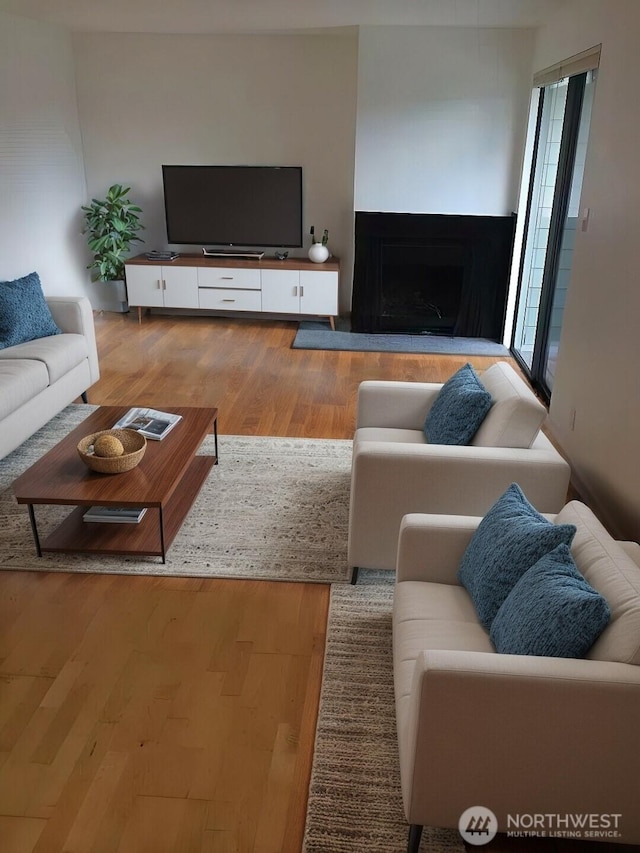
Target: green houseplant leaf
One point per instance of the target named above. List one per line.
(111, 224)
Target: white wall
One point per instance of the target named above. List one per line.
(41, 170)
(441, 119)
(597, 371)
(145, 100)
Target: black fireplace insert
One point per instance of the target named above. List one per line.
(421, 273)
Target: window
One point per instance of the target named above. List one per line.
(561, 110)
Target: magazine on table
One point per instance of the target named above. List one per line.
(114, 514)
(150, 422)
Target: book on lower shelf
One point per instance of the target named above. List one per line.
(115, 514)
(150, 422)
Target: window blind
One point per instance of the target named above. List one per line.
(588, 60)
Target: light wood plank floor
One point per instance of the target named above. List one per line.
(156, 714)
(146, 714)
(248, 370)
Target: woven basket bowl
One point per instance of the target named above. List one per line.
(134, 445)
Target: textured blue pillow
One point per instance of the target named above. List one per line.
(458, 410)
(509, 540)
(551, 611)
(24, 313)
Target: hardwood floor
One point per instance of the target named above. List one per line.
(247, 369)
(148, 714)
(156, 714)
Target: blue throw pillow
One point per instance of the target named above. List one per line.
(458, 410)
(509, 540)
(24, 313)
(551, 611)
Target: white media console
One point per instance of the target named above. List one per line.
(294, 286)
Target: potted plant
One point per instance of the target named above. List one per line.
(112, 224)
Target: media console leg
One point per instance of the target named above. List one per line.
(332, 323)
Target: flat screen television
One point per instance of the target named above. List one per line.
(248, 206)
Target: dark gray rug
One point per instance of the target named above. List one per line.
(318, 335)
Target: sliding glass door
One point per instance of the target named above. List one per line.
(562, 112)
(567, 227)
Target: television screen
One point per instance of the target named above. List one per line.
(249, 206)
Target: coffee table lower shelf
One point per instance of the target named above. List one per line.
(151, 537)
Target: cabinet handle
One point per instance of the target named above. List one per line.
(164, 284)
(226, 277)
(228, 300)
(302, 290)
(295, 290)
(159, 284)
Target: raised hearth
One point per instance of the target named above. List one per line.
(431, 273)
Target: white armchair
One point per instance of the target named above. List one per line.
(517, 734)
(395, 471)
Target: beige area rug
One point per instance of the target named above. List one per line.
(355, 803)
(272, 509)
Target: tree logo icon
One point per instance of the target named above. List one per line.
(478, 825)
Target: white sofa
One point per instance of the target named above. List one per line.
(516, 734)
(395, 471)
(39, 378)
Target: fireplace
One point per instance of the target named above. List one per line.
(421, 273)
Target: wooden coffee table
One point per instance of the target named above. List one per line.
(166, 481)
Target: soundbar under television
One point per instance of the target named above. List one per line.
(251, 206)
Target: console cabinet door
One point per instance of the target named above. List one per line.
(180, 287)
(281, 291)
(319, 292)
(158, 287)
(144, 285)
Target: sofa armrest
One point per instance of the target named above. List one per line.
(395, 405)
(632, 549)
(519, 733)
(74, 314)
(430, 547)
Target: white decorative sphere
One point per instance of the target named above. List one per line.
(318, 253)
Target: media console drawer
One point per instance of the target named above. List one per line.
(225, 299)
(225, 277)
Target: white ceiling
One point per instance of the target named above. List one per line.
(251, 16)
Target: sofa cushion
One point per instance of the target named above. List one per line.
(431, 616)
(24, 313)
(610, 569)
(516, 416)
(395, 436)
(511, 537)
(458, 410)
(59, 353)
(20, 381)
(551, 611)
